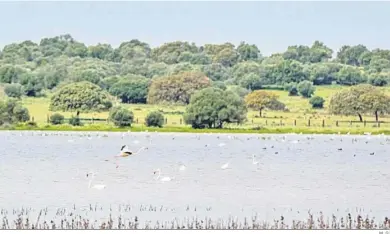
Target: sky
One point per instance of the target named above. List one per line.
(272, 26)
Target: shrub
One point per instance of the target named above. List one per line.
(306, 88)
(75, 121)
(11, 111)
(317, 102)
(56, 119)
(31, 124)
(379, 79)
(154, 119)
(13, 90)
(121, 116)
(291, 88)
(21, 114)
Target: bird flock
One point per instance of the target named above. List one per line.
(268, 150)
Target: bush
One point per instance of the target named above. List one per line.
(12, 112)
(21, 113)
(121, 116)
(317, 102)
(378, 80)
(291, 88)
(154, 119)
(31, 124)
(56, 119)
(306, 88)
(75, 121)
(13, 90)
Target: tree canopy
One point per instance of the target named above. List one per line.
(261, 100)
(177, 88)
(212, 107)
(81, 77)
(359, 100)
(83, 96)
(11, 111)
(44, 65)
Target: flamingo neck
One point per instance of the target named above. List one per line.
(90, 182)
(159, 174)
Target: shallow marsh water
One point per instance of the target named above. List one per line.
(328, 173)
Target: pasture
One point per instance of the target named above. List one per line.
(300, 112)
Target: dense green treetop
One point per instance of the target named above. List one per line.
(128, 71)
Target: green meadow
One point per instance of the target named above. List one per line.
(295, 120)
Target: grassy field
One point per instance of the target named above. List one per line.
(297, 119)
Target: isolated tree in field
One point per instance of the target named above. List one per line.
(83, 96)
(13, 90)
(260, 100)
(121, 116)
(176, 88)
(359, 100)
(306, 88)
(131, 90)
(317, 102)
(154, 119)
(57, 119)
(212, 107)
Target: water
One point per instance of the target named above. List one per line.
(296, 173)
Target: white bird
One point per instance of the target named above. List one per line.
(182, 167)
(125, 152)
(96, 186)
(164, 179)
(253, 160)
(226, 165)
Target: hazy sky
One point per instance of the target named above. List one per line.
(272, 26)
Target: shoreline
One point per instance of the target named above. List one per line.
(140, 129)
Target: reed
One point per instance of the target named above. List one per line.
(69, 219)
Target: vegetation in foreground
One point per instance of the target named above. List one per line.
(65, 220)
(209, 86)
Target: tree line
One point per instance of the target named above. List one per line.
(86, 78)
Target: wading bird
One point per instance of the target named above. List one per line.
(254, 162)
(165, 178)
(96, 186)
(125, 152)
(225, 166)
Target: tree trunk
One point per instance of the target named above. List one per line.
(376, 116)
(360, 117)
(260, 110)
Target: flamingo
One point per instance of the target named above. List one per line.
(182, 167)
(253, 160)
(96, 186)
(164, 179)
(225, 166)
(125, 152)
